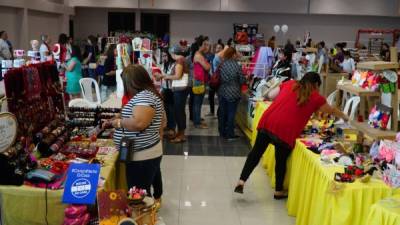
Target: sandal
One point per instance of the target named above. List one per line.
(201, 126)
(177, 140)
(171, 134)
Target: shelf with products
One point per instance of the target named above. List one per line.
(376, 84)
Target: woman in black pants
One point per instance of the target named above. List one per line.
(283, 122)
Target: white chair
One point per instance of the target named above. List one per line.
(331, 99)
(80, 102)
(353, 102)
(87, 91)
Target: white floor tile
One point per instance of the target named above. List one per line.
(198, 190)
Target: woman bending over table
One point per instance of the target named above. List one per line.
(283, 122)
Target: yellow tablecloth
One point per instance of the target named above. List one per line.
(26, 205)
(310, 185)
(311, 201)
(386, 212)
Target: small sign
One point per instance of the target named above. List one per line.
(81, 185)
(8, 131)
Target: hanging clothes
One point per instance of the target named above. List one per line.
(265, 56)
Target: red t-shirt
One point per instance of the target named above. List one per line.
(285, 118)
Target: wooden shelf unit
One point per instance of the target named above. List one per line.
(364, 94)
(377, 65)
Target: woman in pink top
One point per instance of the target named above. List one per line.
(201, 69)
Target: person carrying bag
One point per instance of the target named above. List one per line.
(139, 131)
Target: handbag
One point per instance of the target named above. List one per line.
(199, 87)
(181, 83)
(215, 80)
(125, 148)
(272, 88)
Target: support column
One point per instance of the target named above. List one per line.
(64, 23)
(138, 20)
(23, 40)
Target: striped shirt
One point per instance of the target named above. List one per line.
(151, 135)
(231, 80)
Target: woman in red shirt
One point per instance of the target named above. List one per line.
(283, 122)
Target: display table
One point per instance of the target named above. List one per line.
(313, 201)
(245, 115)
(385, 212)
(312, 198)
(27, 205)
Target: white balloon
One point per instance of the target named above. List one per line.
(285, 28)
(276, 28)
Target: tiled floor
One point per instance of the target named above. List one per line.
(199, 177)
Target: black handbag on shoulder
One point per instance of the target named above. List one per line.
(126, 148)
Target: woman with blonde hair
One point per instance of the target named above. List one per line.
(282, 123)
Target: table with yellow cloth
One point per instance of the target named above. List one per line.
(315, 199)
(27, 205)
(385, 212)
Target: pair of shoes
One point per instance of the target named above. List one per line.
(239, 189)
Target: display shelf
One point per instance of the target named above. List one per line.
(310, 50)
(374, 133)
(377, 65)
(348, 87)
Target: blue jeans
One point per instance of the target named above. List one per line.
(168, 96)
(92, 73)
(226, 117)
(180, 98)
(197, 103)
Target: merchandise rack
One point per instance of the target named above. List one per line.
(364, 127)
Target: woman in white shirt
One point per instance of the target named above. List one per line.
(348, 65)
(44, 48)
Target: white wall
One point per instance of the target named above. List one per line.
(322, 27)
(43, 23)
(13, 23)
(187, 25)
